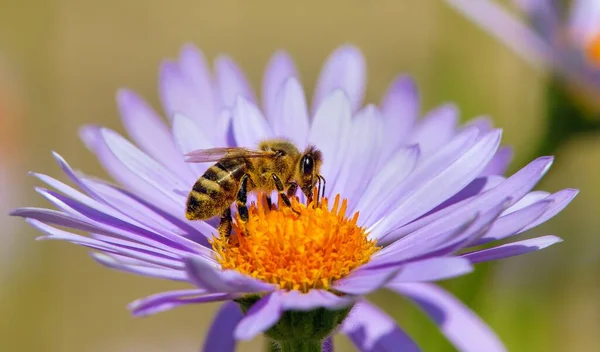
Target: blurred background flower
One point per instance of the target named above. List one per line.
(74, 56)
(561, 38)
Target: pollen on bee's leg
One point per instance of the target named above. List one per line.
(303, 252)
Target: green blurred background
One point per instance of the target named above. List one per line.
(61, 62)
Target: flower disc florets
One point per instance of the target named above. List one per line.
(305, 248)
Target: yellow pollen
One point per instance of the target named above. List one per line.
(593, 50)
(301, 251)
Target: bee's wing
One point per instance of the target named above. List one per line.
(216, 154)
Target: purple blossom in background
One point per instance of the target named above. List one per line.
(426, 187)
(568, 45)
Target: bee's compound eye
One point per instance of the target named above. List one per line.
(307, 165)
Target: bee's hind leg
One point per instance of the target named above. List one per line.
(282, 193)
(242, 199)
(291, 191)
(226, 223)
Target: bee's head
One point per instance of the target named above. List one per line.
(309, 175)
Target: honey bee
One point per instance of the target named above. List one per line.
(277, 165)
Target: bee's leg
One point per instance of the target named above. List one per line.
(241, 198)
(293, 187)
(226, 223)
(282, 194)
(321, 189)
(269, 201)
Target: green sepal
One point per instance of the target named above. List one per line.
(300, 330)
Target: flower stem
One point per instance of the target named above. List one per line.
(300, 346)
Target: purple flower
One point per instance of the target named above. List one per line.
(568, 45)
(427, 190)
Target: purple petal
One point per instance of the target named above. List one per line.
(225, 128)
(48, 216)
(399, 166)
(80, 197)
(514, 222)
(584, 19)
(148, 130)
(145, 168)
(436, 129)
(344, 69)
(366, 127)
(189, 137)
(192, 235)
(433, 269)
(136, 210)
(117, 258)
(544, 17)
(372, 330)
(291, 113)
(458, 323)
(280, 68)
(559, 200)
(512, 249)
(328, 128)
(483, 123)
(527, 200)
(425, 170)
(440, 238)
(172, 89)
(93, 140)
(74, 177)
(155, 272)
(205, 275)
(129, 249)
(179, 96)
(507, 28)
(435, 235)
(362, 282)
(220, 336)
(128, 246)
(164, 297)
(400, 108)
(476, 187)
(260, 317)
(516, 186)
(438, 187)
(327, 345)
(298, 301)
(499, 162)
(194, 68)
(168, 300)
(231, 82)
(249, 126)
(124, 228)
(80, 217)
(138, 161)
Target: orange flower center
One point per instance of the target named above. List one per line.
(301, 251)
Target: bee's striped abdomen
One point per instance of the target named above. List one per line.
(216, 189)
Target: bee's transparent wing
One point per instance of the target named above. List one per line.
(216, 154)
